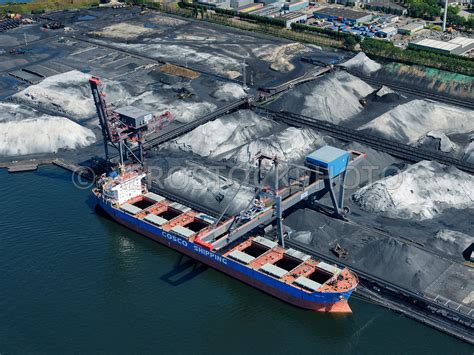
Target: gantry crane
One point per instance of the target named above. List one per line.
(125, 127)
(311, 182)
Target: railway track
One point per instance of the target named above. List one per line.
(396, 149)
(312, 75)
(415, 92)
(415, 305)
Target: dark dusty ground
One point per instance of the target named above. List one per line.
(389, 258)
(208, 41)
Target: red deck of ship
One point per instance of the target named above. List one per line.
(343, 281)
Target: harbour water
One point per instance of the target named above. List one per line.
(2, 2)
(73, 281)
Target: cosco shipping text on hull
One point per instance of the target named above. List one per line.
(300, 296)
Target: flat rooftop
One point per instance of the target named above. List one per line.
(458, 45)
(344, 13)
(131, 111)
(463, 41)
(250, 6)
(268, 9)
(387, 4)
(291, 15)
(413, 26)
(435, 44)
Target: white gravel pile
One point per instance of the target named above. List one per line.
(122, 30)
(287, 145)
(239, 137)
(26, 131)
(130, 31)
(408, 122)
(189, 111)
(182, 111)
(68, 93)
(420, 192)
(183, 54)
(336, 97)
(220, 136)
(362, 63)
(229, 92)
(279, 57)
(215, 191)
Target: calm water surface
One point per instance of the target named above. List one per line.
(73, 281)
(14, 1)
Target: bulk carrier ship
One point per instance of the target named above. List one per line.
(236, 245)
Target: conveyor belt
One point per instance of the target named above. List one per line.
(416, 92)
(396, 149)
(187, 127)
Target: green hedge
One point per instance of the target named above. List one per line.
(349, 39)
(226, 12)
(185, 5)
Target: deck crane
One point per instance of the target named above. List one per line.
(125, 127)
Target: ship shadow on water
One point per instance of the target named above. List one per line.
(184, 269)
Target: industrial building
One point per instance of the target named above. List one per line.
(411, 28)
(250, 7)
(332, 14)
(387, 32)
(385, 6)
(293, 17)
(236, 4)
(214, 4)
(295, 5)
(268, 2)
(388, 19)
(271, 10)
(458, 45)
(134, 116)
(465, 44)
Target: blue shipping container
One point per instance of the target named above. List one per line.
(333, 159)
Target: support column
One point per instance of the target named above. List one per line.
(342, 179)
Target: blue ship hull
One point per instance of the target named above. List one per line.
(318, 301)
